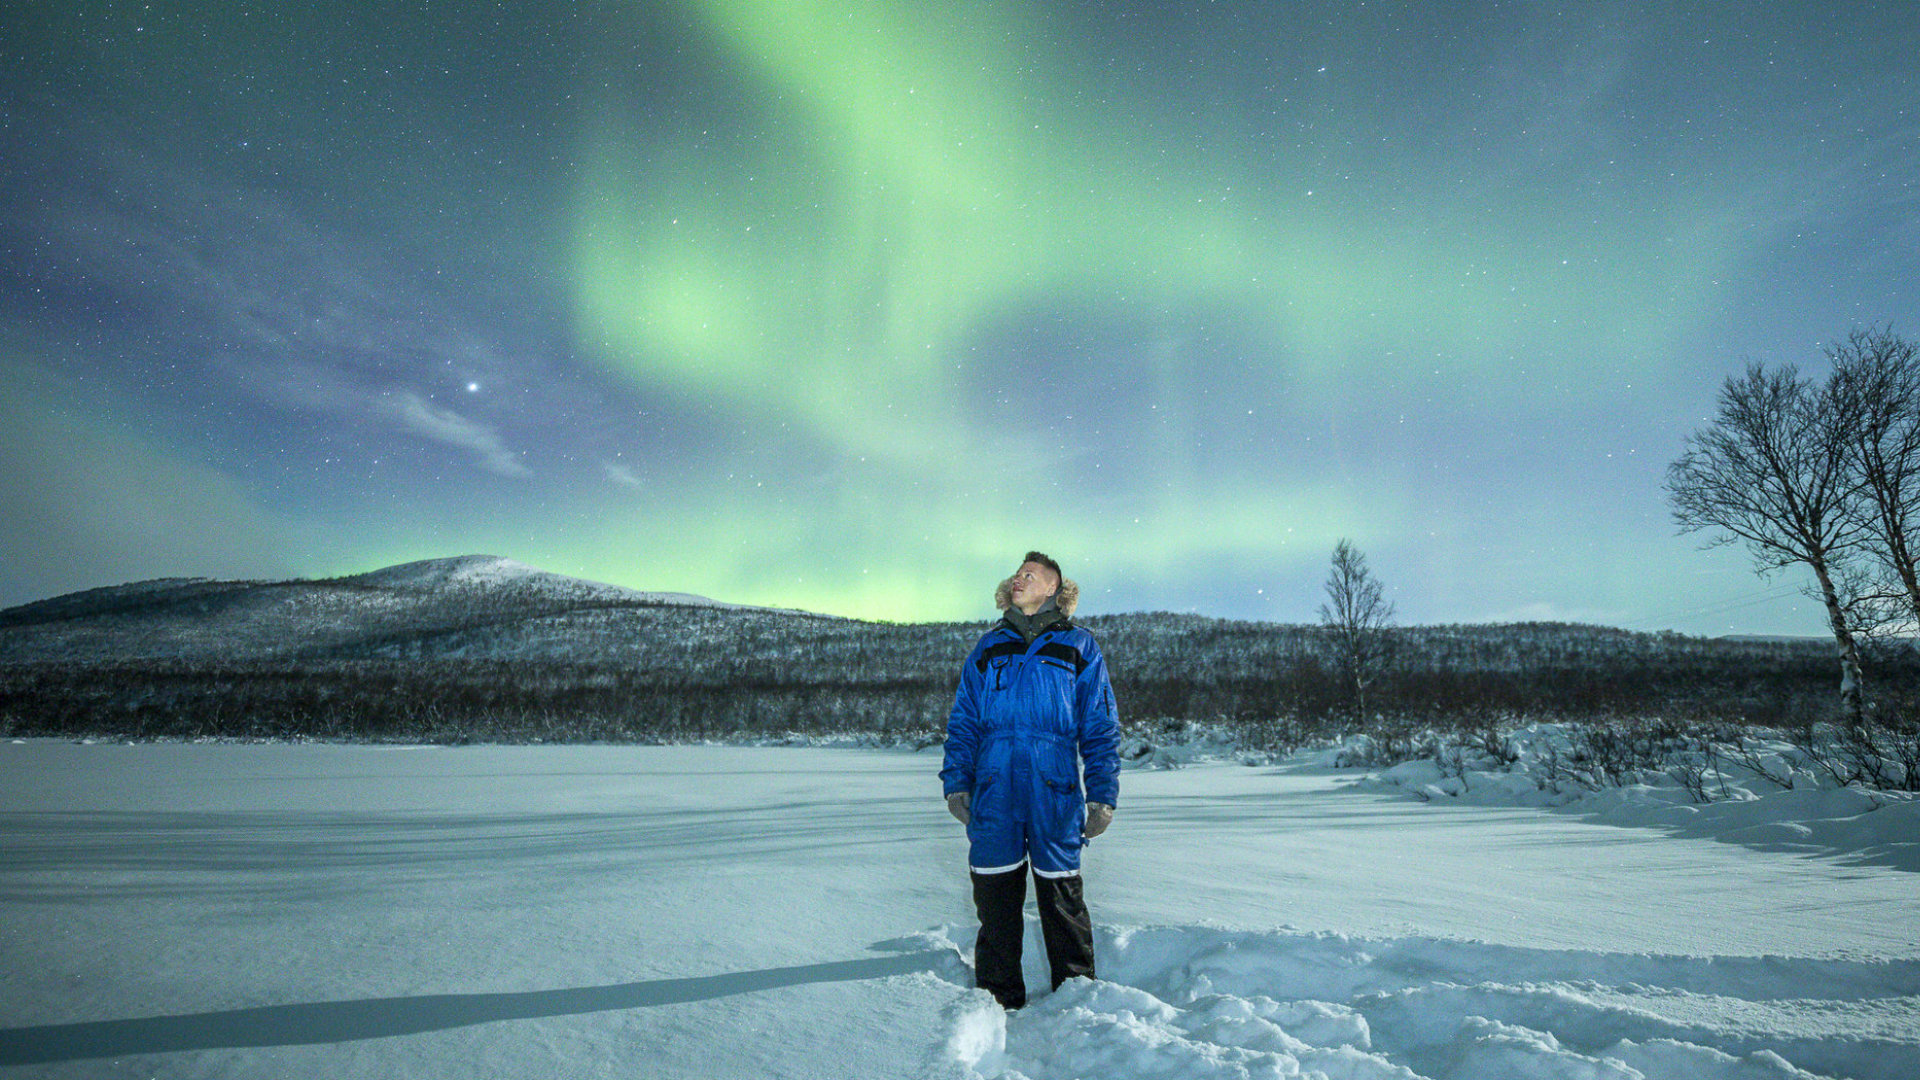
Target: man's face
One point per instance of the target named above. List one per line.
(1032, 584)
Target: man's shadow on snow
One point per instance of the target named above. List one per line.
(379, 1018)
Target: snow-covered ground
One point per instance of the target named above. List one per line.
(312, 910)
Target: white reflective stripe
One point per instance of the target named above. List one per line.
(997, 869)
(1037, 872)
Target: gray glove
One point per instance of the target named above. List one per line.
(957, 804)
(1099, 816)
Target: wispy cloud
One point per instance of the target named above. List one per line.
(621, 475)
(283, 293)
(421, 417)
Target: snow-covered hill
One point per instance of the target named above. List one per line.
(491, 572)
(456, 606)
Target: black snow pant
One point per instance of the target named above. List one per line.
(999, 898)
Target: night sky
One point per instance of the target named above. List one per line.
(844, 306)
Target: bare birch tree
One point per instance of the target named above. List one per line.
(1355, 617)
(1771, 471)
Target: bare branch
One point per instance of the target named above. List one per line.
(1877, 375)
(1772, 470)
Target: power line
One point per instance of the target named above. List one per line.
(1768, 595)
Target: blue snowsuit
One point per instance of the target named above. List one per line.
(1028, 721)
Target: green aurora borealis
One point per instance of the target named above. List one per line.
(843, 306)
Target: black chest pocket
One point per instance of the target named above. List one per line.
(997, 670)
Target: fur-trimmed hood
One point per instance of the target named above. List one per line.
(1067, 599)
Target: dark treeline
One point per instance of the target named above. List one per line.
(293, 665)
(1469, 676)
(440, 701)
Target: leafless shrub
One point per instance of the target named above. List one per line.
(1750, 756)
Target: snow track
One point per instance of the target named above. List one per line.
(1195, 1002)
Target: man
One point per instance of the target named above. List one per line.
(1034, 711)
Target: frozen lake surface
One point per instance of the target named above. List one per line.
(177, 910)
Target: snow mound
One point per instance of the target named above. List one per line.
(1815, 817)
(1184, 1002)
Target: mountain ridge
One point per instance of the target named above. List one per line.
(378, 612)
(476, 646)
(482, 571)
